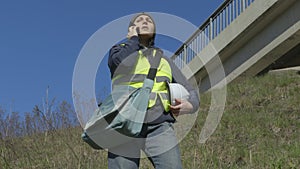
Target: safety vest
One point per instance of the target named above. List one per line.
(136, 77)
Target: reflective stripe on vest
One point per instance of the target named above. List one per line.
(136, 77)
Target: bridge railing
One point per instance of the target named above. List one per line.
(211, 28)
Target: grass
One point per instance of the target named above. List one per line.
(260, 128)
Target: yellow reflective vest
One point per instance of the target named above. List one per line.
(136, 77)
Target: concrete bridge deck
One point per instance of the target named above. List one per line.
(242, 38)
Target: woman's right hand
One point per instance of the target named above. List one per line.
(132, 32)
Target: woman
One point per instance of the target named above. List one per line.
(129, 64)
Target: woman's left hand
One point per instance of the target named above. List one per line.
(181, 107)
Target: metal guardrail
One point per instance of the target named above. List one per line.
(211, 28)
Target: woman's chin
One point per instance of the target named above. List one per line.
(146, 34)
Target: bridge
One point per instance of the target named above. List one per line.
(242, 38)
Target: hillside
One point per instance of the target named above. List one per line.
(260, 128)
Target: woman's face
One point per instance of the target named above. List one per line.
(145, 24)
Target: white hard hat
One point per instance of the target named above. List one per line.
(177, 91)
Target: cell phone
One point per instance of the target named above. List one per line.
(137, 29)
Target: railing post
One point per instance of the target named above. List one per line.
(221, 21)
(243, 5)
(202, 39)
(215, 26)
(184, 54)
(211, 29)
(197, 43)
(226, 16)
(236, 9)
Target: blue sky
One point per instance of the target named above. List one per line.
(41, 40)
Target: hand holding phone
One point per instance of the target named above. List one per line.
(133, 31)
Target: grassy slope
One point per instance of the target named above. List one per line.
(260, 128)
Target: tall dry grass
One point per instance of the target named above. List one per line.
(260, 128)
